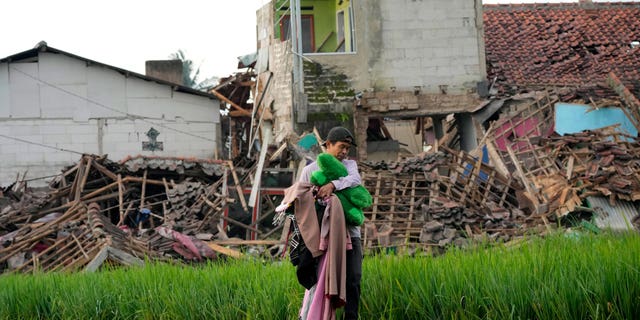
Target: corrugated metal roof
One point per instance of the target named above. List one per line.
(616, 217)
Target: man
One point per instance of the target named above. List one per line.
(338, 142)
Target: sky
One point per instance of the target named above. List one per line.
(126, 33)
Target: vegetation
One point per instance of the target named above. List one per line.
(191, 73)
(565, 276)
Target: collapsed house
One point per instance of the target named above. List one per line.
(519, 130)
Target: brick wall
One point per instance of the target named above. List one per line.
(427, 44)
(280, 92)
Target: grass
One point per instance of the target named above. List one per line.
(578, 276)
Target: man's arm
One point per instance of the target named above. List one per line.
(352, 179)
(305, 175)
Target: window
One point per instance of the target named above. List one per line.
(327, 26)
(308, 42)
(340, 27)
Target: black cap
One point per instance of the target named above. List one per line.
(341, 134)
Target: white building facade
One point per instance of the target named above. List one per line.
(55, 106)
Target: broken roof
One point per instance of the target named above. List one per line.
(563, 43)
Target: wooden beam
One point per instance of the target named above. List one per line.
(525, 181)
(236, 181)
(496, 160)
(233, 104)
(226, 251)
(239, 242)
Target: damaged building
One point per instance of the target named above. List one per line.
(393, 60)
(472, 122)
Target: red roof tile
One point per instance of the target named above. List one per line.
(562, 43)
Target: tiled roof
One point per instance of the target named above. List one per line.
(563, 43)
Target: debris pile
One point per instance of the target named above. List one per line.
(98, 210)
(448, 222)
(533, 178)
(439, 199)
(167, 207)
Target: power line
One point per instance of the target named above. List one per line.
(40, 144)
(129, 115)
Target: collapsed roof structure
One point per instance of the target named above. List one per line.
(549, 66)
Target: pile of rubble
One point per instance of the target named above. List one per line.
(99, 211)
(532, 180)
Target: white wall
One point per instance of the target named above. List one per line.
(61, 103)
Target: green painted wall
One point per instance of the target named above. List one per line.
(324, 14)
(324, 22)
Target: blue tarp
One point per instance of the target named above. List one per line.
(308, 141)
(485, 160)
(573, 118)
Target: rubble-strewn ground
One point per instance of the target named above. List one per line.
(190, 210)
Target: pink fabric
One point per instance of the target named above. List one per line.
(318, 304)
(301, 194)
(329, 293)
(335, 241)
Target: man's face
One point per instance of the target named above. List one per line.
(338, 149)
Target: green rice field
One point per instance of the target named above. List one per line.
(563, 276)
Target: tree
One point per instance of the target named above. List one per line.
(189, 72)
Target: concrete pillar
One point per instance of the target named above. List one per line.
(467, 131)
(101, 124)
(360, 124)
(438, 130)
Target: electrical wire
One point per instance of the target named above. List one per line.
(128, 115)
(40, 144)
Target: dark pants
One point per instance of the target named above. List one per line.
(354, 274)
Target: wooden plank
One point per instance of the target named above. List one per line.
(527, 185)
(570, 167)
(79, 246)
(76, 180)
(80, 187)
(226, 251)
(240, 224)
(105, 171)
(411, 207)
(374, 207)
(277, 153)
(124, 257)
(392, 207)
(244, 112)
(125, 214)
(236, 181)
(97, 260)
(239, 242)
(144, 188)
(266, 140)
(99, 191)
(120, 197)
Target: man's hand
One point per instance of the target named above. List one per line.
(326, 190)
